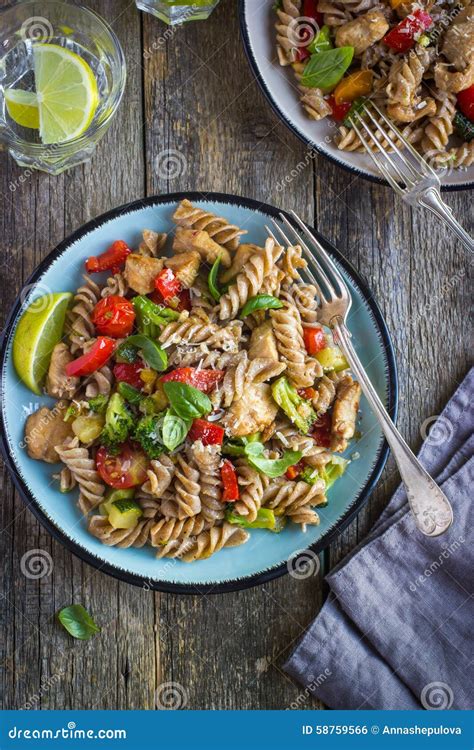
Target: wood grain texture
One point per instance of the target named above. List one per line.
(193, 118)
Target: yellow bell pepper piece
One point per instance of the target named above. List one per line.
(354, 85)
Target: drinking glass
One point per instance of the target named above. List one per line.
(81, 31)
(175, 12)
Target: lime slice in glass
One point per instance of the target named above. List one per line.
(39, 329)
(22, 106)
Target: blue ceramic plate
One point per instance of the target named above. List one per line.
(265, 555)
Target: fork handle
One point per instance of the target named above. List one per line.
(430, 506)
(431, 199)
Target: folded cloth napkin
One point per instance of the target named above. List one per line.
(396, 629)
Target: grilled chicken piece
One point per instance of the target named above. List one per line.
(141, 271)
(458, 46)
(44, 429)
(362, 32)
(344, 414)
(251, 413)
(185, 266)
(58, 384)
(194, 239)
(239, 259)
(263, 342)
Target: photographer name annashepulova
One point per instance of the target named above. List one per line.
(379, 729)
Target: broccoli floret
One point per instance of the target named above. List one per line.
(118, 423)
(98, 404)
(297, 409)
(148, 434)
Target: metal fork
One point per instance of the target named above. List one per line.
(431, 508)
(409, 175)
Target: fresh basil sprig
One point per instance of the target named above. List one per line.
(321, 42)
(187, 402)
(212, 279)
(78, 622)
(325, 69)
(260, 302)
(272, 467)
(152, 352)
(174, 430)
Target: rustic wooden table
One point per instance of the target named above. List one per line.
(192, 91)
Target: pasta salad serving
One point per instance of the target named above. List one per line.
(197, 396)
(413, 58)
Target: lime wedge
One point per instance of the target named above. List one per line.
(67, 93)
(22, 106)
(38, 331)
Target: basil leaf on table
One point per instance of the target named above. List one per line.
(272, 467)
(260, 302)
(321, 42)
(187, 402)
(325, 69)
(212, 279)
(78, 622)
(174, 430)
(152, 352)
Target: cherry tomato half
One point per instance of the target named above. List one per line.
(123, 470)
(114, 316)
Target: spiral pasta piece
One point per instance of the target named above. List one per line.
(207, 459)
(198, 329)
(100, 382)
(245, 372)
(150, 505)
(288, 331)
(312, 99)
(404, 79)
(285, 497)
(218, 228)
(252, 485)
(213, 540)
(305, 298)
(249, 281)
(66, 480)
(82, 467)
(79, 326)
(288, 436)
(288, 13)
(115, 285)
(160, 475)
(152, 243)
(174, 536)
(187, 488)
(137, 536)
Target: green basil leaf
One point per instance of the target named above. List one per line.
(78, 622)
(260, 302)
(325, 69)
(152, 352)
(272, 467)
(174, 430)
(321, 42)
(212, 279)
(187, 402)
(129, 393)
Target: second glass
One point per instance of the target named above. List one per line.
(175, 12)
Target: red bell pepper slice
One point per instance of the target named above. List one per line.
(310, 10)
(129, 373)
(302, 53)
(339, 111)
(110, 260)
(314, 340)
(167, 284)
(203, 380)
(99, 353)
(208, 432)
(466, 102)
(230, 485)
(402, 37)
(321, 431)
(294, 471)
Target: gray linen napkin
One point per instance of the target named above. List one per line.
(394, 632)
